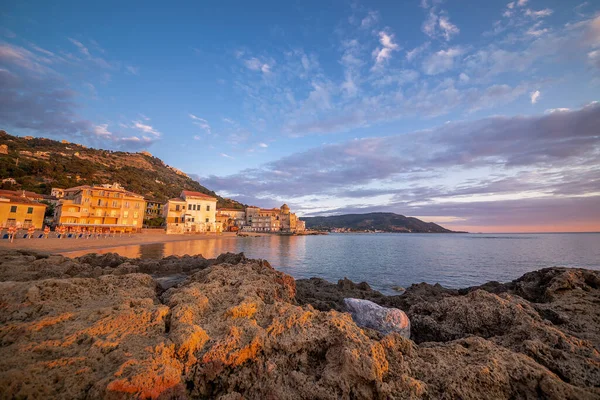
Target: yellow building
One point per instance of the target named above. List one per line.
(21, 212)
(105, 207)
(192, 212)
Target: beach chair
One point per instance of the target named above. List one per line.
(5, 236)
(70, 235)
(41, 235)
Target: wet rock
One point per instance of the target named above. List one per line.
(385, 320)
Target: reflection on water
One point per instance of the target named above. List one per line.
(387, 260)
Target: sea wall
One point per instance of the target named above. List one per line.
(232, 328)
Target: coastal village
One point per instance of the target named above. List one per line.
(110, 208)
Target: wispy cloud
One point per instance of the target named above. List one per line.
(535, 96)
(442, 60)
(226, 156)
(202, 123)
(146, 128)
(132, 70)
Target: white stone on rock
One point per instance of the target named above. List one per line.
(385, 320)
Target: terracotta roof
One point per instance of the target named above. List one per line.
(188, 193)
(179, 199)
(231, 209)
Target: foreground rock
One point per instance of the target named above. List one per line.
(101, 327)
(385, 320)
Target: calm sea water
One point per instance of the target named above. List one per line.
(388, 260)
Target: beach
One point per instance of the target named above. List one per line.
(55, 245)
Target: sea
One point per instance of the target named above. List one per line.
(388, 260)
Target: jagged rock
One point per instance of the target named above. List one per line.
(235, 330)
(385, 320)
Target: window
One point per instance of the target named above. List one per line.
(126, 204)
(27, 223)
(207, 208)
(116, 195)
(193, 219)
(115, 204)
(190, 207)
(137, 205)
(29, 210)
(206, 219)
(135, 214)
(135, 222)
(86, 200)
(99, 202)
(11, 222)
(176, 207)
(13, 209)
(125, 214)
(177, 219)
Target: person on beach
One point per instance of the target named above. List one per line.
(30, 232)
(46, 231)
(12, 231)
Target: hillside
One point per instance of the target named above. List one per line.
(39, 164)
(388, 222)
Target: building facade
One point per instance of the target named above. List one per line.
(271, 220)
(21, 212)
(191, 212)
(154, 209)
(231, 218)
(104, 207)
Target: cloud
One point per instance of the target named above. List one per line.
(255, 64)
(535, 96)
(263, 145)
(132, 70)
(522, 3)
(384, 52)
(226, 155)
(438, 25)
(441, 61)
(417, 51)
(84, 50)
(146, 128)
(536, 14)
(487, 161)
(202, 123)
(371, 19)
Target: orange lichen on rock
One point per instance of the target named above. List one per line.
(150, 377)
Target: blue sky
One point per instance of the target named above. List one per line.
(331, 107)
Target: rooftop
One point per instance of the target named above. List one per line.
(188, 193)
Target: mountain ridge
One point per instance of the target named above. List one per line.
(384, 221)
(38, 164)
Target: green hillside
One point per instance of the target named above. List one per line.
(39, 164)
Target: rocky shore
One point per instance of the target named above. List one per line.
(231, 328)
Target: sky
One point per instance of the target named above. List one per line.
(480, 116)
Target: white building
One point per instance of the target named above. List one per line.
(192, 212)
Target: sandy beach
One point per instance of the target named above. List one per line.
(55, 245)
